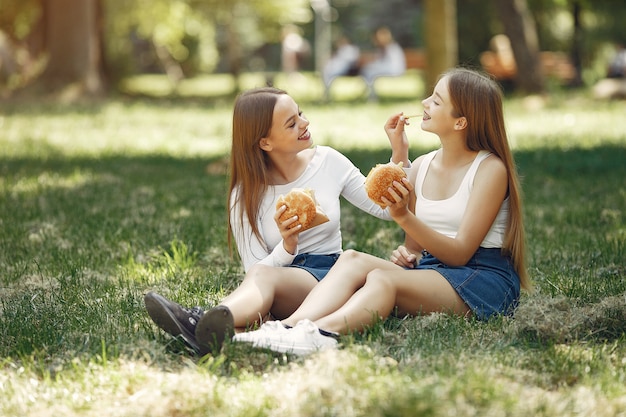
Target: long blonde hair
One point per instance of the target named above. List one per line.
(252, 121)
(478, 98)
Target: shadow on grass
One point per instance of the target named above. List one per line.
(74, 229)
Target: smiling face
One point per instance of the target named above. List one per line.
(289, 131)
(440, 117)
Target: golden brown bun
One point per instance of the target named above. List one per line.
(300, 202)
(380, 178)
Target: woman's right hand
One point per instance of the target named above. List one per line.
(394, 128)
(289, 235)
(403, 257)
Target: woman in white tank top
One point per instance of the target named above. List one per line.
(461, 213)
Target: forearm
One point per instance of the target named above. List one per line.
(449, 250)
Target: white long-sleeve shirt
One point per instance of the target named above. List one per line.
(330, 175)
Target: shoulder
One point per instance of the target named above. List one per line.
(417, 163)
(331, 154)
(492, 163)
(491, 169)
(420, 159)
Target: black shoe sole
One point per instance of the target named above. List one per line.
(215, 326)
(163, 317)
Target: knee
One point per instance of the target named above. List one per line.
(258, 273)
(350, 256)
(380, 280)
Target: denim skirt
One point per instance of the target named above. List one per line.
(488, 283)
(316, 265)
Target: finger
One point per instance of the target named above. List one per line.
(288, 223)
(407, 184)
(403, 252)
(292, 231)
(394, 194)
(400, 188)
(279, 212)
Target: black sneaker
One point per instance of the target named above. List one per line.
(173, 318)
(214, 327)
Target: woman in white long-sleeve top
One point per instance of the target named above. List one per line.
(271, 154)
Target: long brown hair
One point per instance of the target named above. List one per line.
(478, 98)
(252, 121)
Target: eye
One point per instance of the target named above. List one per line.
(300, 113)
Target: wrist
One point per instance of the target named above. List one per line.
(290, 249)
(397, 157)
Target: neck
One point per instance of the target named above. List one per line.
(454, 152)
(285, 168)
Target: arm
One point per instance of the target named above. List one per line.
(394, 128)
(252, 250)
(352, 182)
(409, 254)
(354, 191)
(488, 192)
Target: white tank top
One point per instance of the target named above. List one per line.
(445, 216)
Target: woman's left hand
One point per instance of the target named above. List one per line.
(401, 193)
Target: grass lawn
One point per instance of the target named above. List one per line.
(102, 202)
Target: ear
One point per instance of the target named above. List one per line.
(264, 144)
(461, 123)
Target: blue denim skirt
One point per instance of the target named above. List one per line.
(316, 265)
(488, 283)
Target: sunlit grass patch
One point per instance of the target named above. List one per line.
(102, 202)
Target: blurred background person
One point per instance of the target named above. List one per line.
(295, 50)
(389, 60)
(344, 61)
(617, 66)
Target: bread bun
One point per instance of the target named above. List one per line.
(300, 202)
(380, 178)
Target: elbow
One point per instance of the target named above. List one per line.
(460, 258)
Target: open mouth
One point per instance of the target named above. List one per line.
(426, 116)
(305, 136)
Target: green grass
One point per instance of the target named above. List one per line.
(101, 202)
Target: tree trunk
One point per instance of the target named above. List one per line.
(577, 45)
(519, 26)
(441, 38)
(74, 48)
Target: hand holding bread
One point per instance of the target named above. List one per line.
(301, 202)
(380, 178)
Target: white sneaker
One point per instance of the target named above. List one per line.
(303, 339)
(269, 327)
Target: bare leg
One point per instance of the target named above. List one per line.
(342, 281)
(268, 289)
(413, 292)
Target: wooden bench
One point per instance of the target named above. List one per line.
(415, 61)
(415, 58)
(555, 65)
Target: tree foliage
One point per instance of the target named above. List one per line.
(193, 36)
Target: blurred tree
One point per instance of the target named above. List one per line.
(78, 34)
(195, 36)
(243, 26)
(474, 39)
(441, 38)
(169, 31)
(208, 32)
(519, 26)
(73, 43)
(586, 29)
